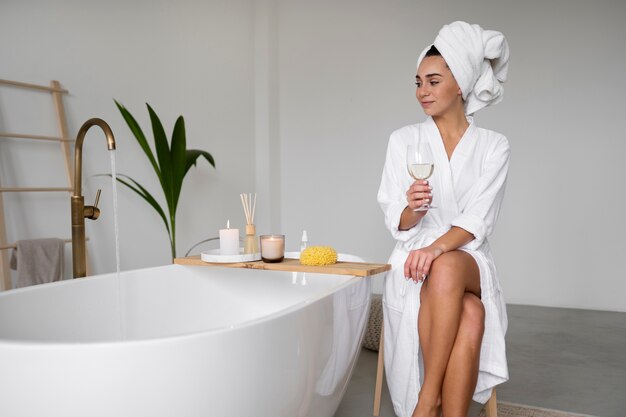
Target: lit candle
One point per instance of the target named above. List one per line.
(229, 240)
(272, 248)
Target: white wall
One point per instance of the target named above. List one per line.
(193, 58)
(315, 88)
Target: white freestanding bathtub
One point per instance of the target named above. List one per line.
(193, 341)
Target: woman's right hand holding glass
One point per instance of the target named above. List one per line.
(418, 197)
(419, 194)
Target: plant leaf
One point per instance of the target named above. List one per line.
(139, 189)
(179, 159)
(164, 158)
(192, 156)
(139, 136)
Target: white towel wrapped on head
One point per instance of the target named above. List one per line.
(477, 58)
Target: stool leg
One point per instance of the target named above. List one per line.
(492, 405)
(379, 373)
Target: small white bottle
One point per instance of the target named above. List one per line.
(305, 240)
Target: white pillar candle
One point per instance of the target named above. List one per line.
(229, 240)
(273, 248)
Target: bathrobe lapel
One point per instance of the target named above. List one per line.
(443, 186)
(445, 196)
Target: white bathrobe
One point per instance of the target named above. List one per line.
(468, 191)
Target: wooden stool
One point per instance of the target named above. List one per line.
(491, 406)
(379, 371)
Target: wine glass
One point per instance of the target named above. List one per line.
(420, 164)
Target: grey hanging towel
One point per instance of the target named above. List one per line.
(38, 261)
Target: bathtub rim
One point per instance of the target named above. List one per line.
(39, 344)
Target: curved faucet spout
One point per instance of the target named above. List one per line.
(78, 149)
(79, 210)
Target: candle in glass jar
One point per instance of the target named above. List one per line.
(229, 240)
(272, 248)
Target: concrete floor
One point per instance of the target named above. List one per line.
(564, 359)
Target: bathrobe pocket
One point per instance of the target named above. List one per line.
(395, 285)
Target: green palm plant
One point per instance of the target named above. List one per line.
(171, 165)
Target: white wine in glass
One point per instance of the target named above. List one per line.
(421, 171)
(420, 164)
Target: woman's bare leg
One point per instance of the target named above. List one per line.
(459, 382)
(451, 276)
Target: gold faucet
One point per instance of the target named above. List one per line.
(79, 210)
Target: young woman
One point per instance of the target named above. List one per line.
(445, 316)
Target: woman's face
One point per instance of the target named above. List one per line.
(437, 90)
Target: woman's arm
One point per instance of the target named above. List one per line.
(453, 239)
(418, 263)
(479, 216)
(410, 218)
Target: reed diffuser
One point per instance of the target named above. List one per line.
(249, 205)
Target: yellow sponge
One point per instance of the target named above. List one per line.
(318, 255)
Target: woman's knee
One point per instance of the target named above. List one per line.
(447, 263)
(445, 274)
(454, 272)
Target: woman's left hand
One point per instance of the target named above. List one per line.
(418, 262)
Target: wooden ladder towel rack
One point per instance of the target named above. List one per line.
(64, 140)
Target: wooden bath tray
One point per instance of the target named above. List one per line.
(359, 269)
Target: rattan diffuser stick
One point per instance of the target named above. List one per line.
(249, 207)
